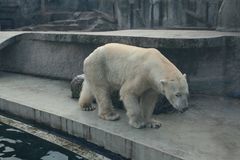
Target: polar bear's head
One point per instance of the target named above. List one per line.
(176, 91)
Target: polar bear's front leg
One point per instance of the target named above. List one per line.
(105, 109)
(131, 104)
(147, 104)
(133, 111)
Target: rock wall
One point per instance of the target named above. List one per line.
(167, 13)
(198, 14)
(229, 16)
(16, 13)
(70, 5)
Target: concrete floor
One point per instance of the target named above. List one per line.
(209, 130)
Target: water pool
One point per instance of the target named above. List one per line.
(16, 144)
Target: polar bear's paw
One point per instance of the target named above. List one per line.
(137, 124)
(111, 116)
(89, 107)
(154, 124)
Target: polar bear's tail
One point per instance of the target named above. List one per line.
(86, 97)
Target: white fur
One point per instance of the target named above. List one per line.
(140, 74)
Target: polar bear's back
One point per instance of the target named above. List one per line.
(144, 59)
(115, 63)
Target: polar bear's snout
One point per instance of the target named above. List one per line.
(183, 106)
(176, 91)
(179, 102)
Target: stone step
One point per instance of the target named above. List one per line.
(208, 130)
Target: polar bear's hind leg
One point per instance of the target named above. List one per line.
(86, 98)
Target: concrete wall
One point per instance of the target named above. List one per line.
(50, 59)
(213, 71)
(210, 70)
(231, 70)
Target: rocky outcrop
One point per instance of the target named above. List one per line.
(58, 14)
(229, 16)
(84, 21)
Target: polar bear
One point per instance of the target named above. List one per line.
(140, 75)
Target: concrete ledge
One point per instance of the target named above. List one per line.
(160, 40)
(144, 38)
(207, 131)
(8, 38)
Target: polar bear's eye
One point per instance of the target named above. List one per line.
(178, 95)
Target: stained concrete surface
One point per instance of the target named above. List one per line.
(209, 130)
